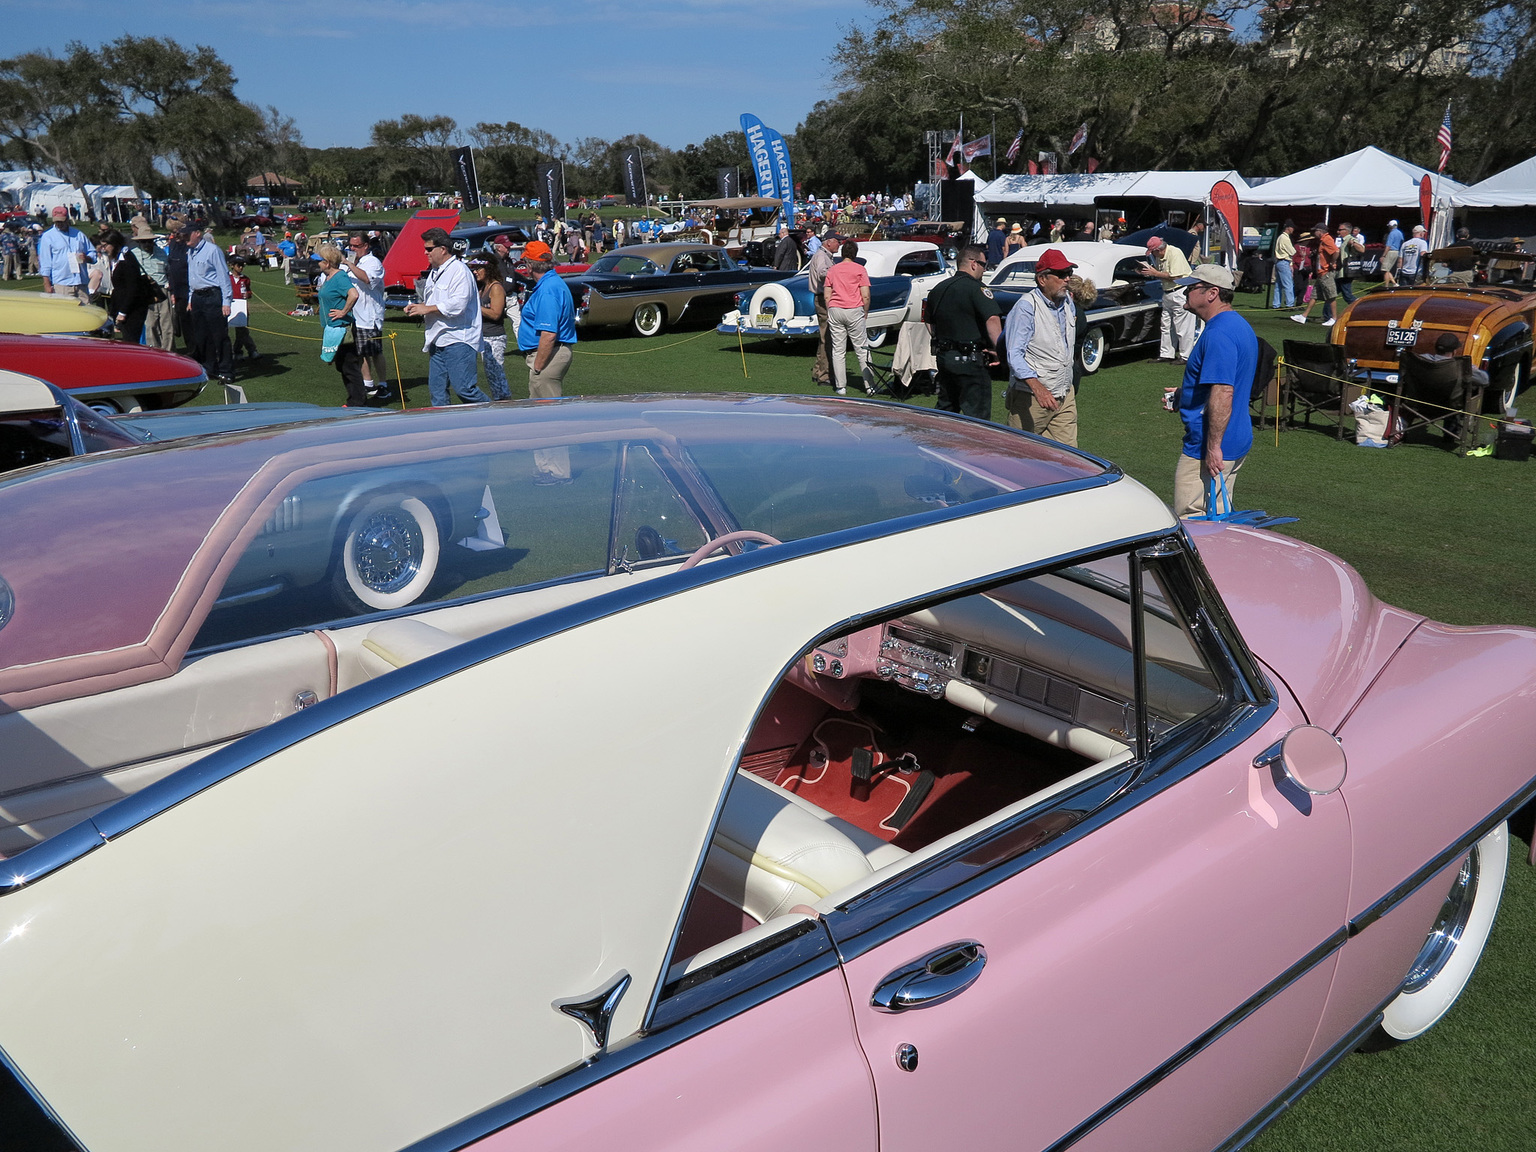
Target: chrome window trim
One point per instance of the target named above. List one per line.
(802, 953)
(185, 783)
(146, 386)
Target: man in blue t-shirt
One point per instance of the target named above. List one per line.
(1213, 401)
(546, 336)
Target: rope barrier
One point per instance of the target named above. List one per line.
(1370, 386)
(642, 351)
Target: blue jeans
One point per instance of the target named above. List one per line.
(1284, 293)
(455, 364)
(1346, 290)
(493, 351)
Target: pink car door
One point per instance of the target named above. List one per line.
(1139, 962)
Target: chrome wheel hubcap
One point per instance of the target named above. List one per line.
(389, 549)
(1446, 933)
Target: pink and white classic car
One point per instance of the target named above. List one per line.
(761, 773)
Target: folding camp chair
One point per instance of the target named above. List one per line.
(1316, 381)
(1437, 391)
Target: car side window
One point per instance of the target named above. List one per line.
(1016, 276)
(360, 543)
(706, 262)
(923, 733)
(32, 439)
(919, 264)
(651, 519)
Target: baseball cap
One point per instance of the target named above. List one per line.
(538, 250)
(1213, 274)
(60, 212)
(1391, 223)
(1053, 260)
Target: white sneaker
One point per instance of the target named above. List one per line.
(1328, 323)
(841, 391)
(1299, 318)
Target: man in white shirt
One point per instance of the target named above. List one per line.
(367, 272)
(450, 315)
(1414, 257)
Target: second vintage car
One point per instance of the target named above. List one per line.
(651, 286)
(813, 773)
(901, 273)
(1127, 311)
(45, 314)
(107, 375)
(1494, 325)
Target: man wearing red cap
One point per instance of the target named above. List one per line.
(1042, 340)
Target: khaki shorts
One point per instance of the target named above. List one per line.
(1327, 286)
(1389, 259)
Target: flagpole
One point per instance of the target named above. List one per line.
(992, 148)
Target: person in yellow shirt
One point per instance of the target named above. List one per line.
(1284, 292)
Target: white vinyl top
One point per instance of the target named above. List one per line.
(1369, 178)
(20, 393)
(1094, 261)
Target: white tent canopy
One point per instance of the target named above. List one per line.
(1369, 178)
(1512, 188)
(1081, 189)
(15, 179)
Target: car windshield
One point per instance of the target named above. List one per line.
(256, 532)
(623, 264)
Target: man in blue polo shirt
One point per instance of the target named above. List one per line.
(546, 336)
(1213, 401)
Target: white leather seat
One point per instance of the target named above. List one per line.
(773, 850)
(396, 643)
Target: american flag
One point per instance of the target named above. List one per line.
(1013, 149)
(1443, 138)
(954, 150)
(1078, 138)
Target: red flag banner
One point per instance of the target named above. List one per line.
(1224, 200)
(1034, 169)
(1426, 200)
(1093, 165)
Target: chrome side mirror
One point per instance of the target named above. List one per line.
(1309, 757)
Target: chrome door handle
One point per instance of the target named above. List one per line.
(933, 979)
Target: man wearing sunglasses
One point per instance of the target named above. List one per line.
(1042, 341)
(450, 314)
(1213, 401)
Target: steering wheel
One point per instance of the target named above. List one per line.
(720, 542)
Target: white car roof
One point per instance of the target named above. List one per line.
(19, 393)
(880, 256)
(1094, 260)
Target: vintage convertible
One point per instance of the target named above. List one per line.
(1494, 323)
(1127, 311)
(651, 286)
(805, 771)
(107, 375)
(901, 274)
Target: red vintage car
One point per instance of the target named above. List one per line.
(104, 374)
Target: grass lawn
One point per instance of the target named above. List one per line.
(1454, 539)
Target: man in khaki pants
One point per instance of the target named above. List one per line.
(1042, 340)
(546, 336)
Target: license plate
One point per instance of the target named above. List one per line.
(763, 320)
(1402, 337)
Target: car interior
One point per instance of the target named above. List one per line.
(882, 747)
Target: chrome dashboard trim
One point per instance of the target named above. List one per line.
(187, 782)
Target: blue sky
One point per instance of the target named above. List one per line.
(676, 70)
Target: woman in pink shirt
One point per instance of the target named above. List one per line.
(847, 289)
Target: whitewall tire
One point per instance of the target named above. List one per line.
(1455, 944)
(783, 303)
(649, 320)
(389, 553)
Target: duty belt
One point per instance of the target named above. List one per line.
(959, 346)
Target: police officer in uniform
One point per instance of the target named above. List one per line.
(965, 324)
